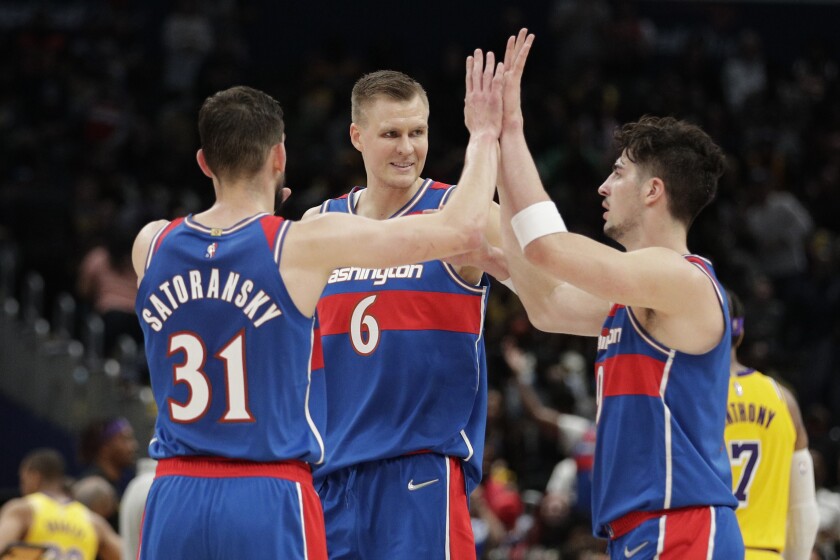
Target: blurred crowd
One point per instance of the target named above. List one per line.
(97, 136)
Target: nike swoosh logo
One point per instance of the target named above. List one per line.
(629, 553)
(412, 486)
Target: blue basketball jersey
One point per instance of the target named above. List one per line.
(228, 351)
(403, 349)
(661, 414)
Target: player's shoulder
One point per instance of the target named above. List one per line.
(18, 507)
(152, 228)
(143, 242)
(148, 232)
(314, 211)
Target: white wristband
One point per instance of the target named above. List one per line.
(537, 220)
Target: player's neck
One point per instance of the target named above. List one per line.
(379, 201)
(55, 492)
(735, 367)
(668, 235)
(233, 206)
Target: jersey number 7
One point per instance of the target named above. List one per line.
(747, 456)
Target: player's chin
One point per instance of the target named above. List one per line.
(403, 180)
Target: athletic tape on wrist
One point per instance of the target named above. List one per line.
(537, 220)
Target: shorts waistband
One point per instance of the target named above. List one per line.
(630, 521)
(418, 452)
(220, 467)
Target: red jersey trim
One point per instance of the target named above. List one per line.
(220, 467)
(271, 225)
(637, 374)
(404, 310)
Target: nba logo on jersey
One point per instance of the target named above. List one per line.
(211, 250)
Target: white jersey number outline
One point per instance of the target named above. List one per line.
(191, 372)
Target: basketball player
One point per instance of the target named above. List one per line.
(226, 301)
(772, 470)
(661, 478)
(404, 357)
(47, 516)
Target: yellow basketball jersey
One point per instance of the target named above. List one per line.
(760, 436)
(63, 526)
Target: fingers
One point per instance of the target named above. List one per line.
(489, 67)
(483, 73)
(470, 64)
(510, 51)
(498, 78)
(522, 53)
(517, 51)
(478, 69)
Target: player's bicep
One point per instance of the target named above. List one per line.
(15, 518)
(796, 416)
(110, 543)
(571, 310)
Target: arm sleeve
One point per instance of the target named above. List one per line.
(802, 518)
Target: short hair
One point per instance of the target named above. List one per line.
(237, 128)
(97, 433)
(681, 154)
(96, 494)
(386, 83)
(47, 462)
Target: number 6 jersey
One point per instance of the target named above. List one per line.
(229, 352)
(404, 357)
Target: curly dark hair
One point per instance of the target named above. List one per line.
(681, 154)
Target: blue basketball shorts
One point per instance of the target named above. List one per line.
(414, 506)
(217, 509)
(695, 533)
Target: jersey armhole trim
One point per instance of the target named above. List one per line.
(158, 239)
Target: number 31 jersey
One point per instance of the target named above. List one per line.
(228, 351)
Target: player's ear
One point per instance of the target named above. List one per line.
(279, 154)
(654, 189)
(202, 163)
(355, 136)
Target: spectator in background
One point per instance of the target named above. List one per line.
(780, 227)
(187, 38)
(566, 504)
(108, 283)
(108, 448)
(744, 73)
(133, 505)
(96, 494)
(46, 515)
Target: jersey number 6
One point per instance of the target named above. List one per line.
(361, 321)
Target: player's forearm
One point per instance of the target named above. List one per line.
(803, 516)
(470, 204)
(520, 177)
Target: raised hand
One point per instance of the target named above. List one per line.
(483, 101)
(516, 54)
